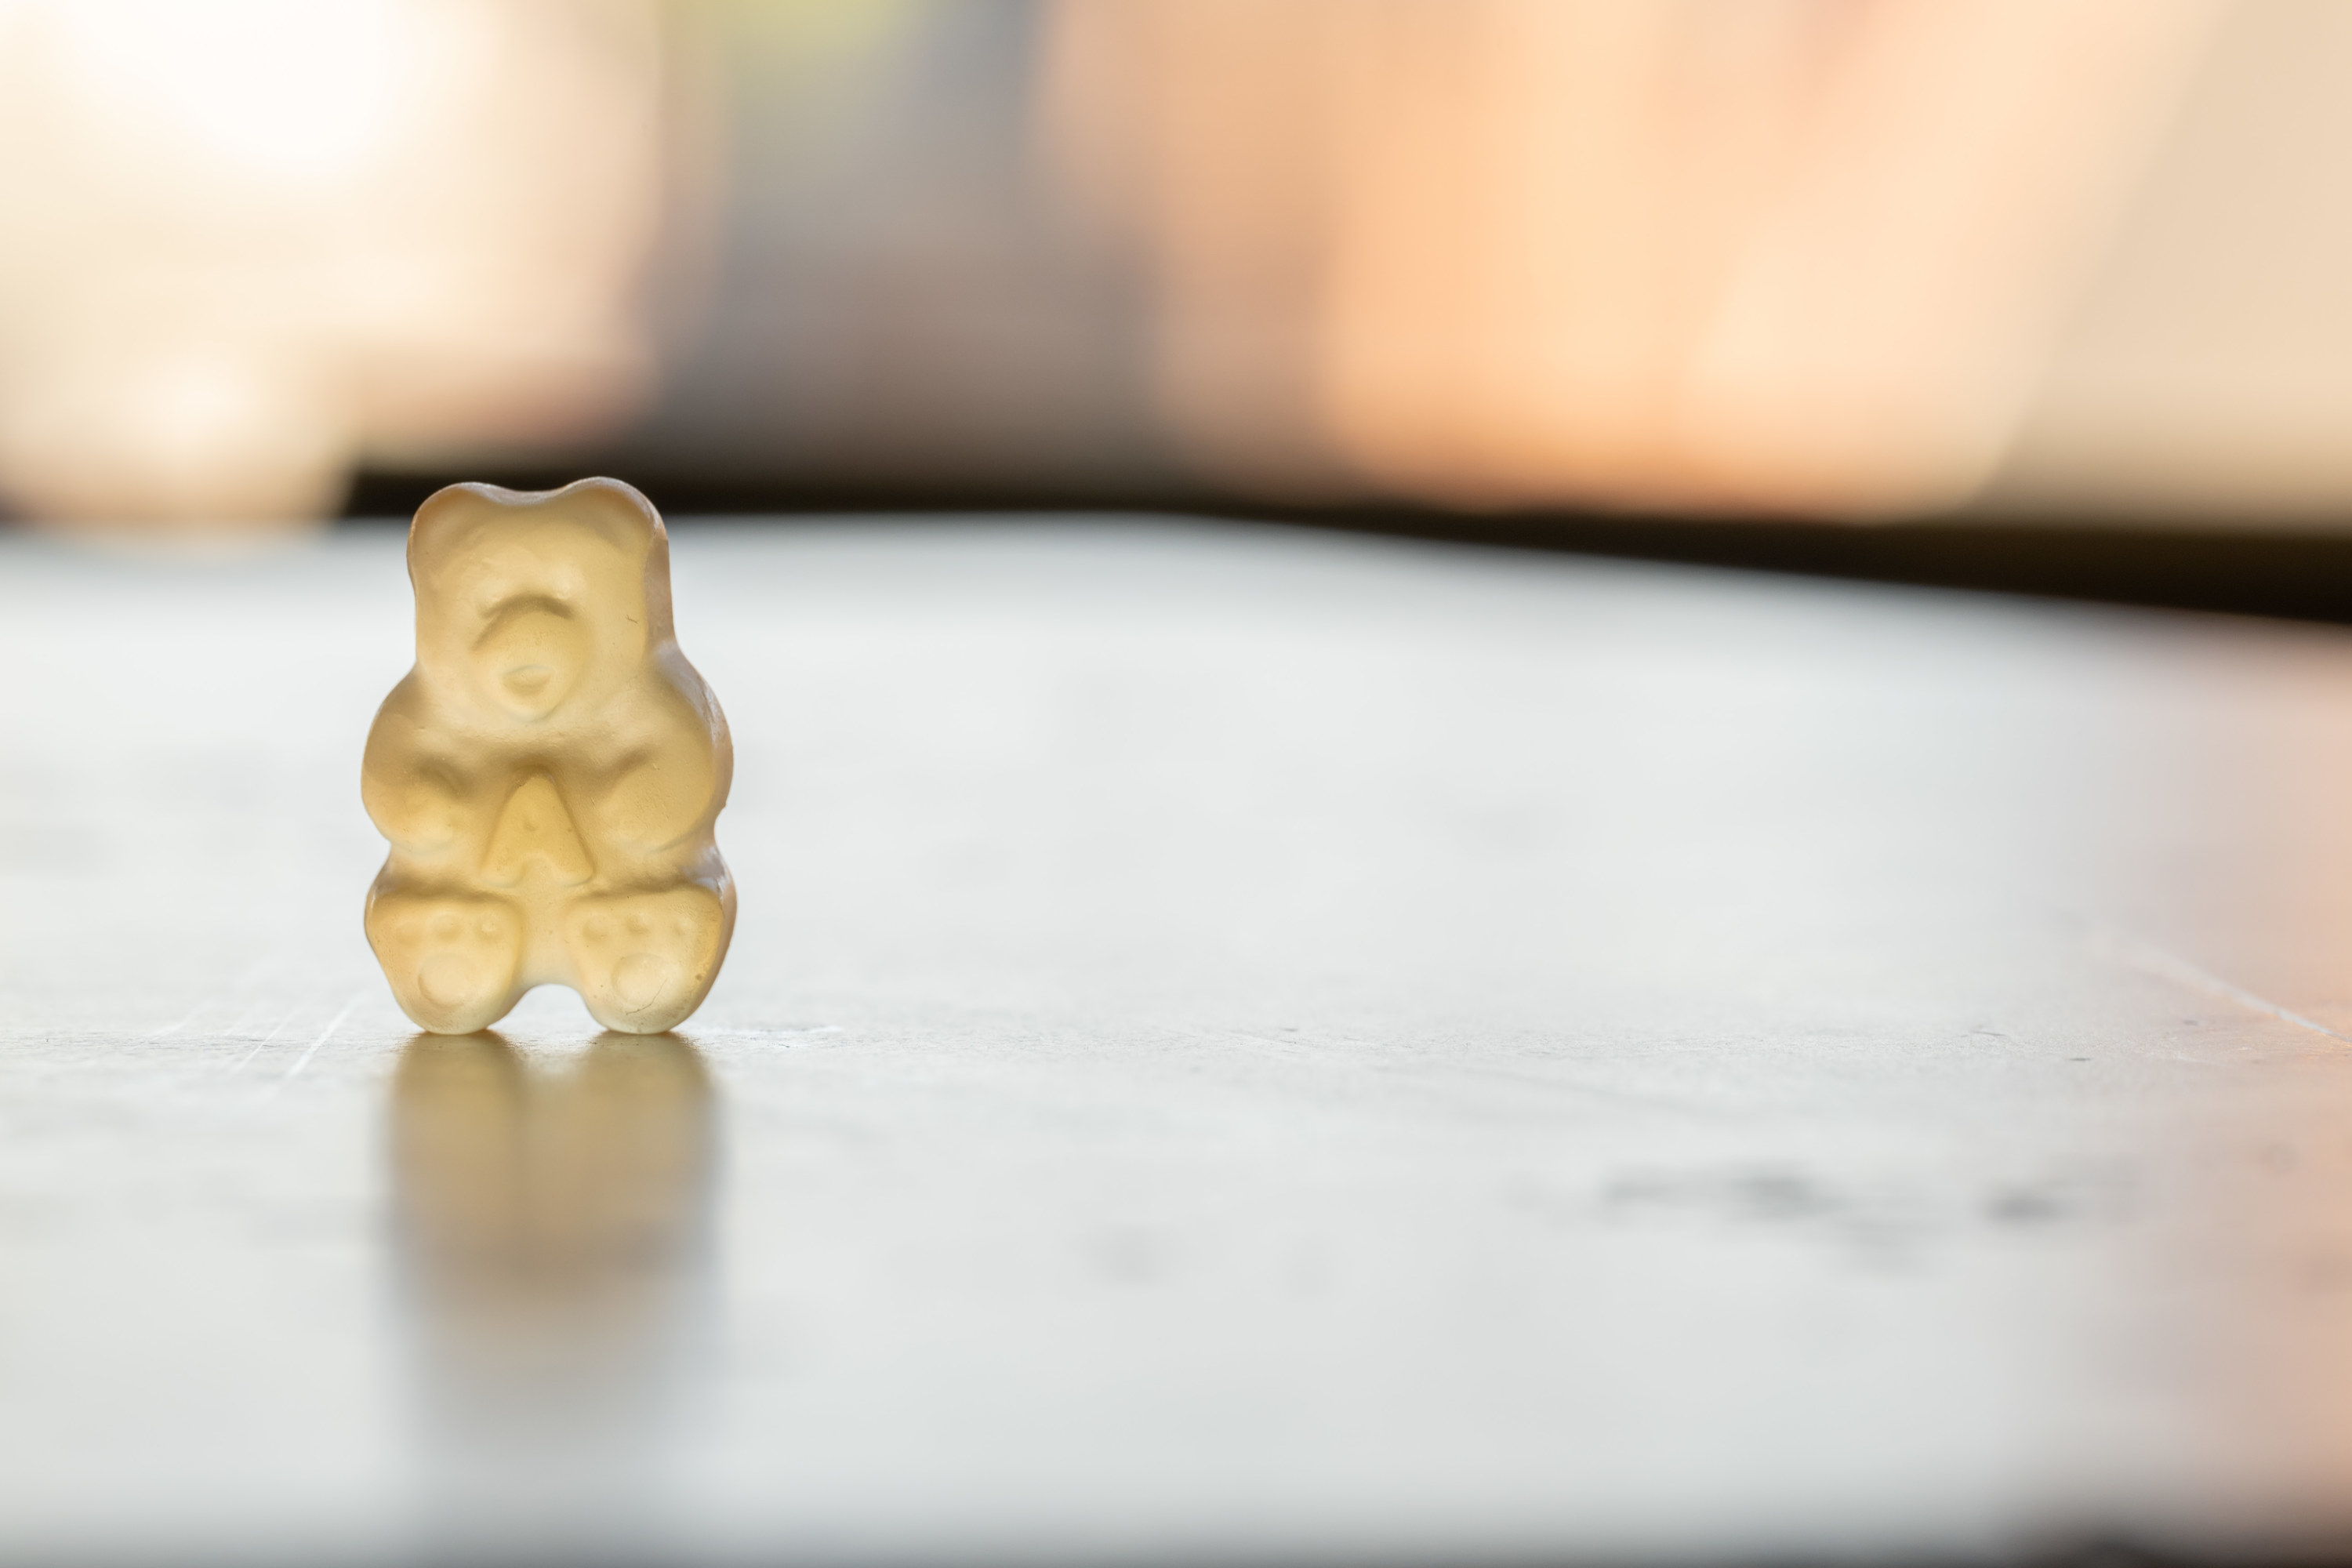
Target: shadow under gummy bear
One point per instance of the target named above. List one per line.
(550, 773)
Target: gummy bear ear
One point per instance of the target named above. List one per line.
(444, 518)
(626, 519)
(617, 511)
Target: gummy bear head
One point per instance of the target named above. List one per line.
(529, 603)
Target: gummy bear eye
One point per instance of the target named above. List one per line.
(527, 601)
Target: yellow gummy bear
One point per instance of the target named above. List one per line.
(551, 770)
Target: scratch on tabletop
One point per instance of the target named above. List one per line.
(2151, 959)
(313, 1048)
(253, 973)
(239, 1065)
(259, 973)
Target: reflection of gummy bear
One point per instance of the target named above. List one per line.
(550, 771)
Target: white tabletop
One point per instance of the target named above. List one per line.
(1238, 1042)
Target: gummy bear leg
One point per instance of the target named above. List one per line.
(452, 959)
(645, 960)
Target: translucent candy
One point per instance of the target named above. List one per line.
(550, 773)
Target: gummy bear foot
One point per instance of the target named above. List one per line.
(451, 960)
(645, 960)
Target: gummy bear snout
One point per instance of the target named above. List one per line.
(529, 656)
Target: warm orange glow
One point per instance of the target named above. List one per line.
(1772, 255)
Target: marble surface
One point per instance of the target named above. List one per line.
(1239, 1044)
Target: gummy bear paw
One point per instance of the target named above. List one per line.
(451, 960)
(645, 960)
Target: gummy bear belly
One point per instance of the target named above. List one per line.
(534, 840)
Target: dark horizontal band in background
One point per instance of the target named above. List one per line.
(2300, 574)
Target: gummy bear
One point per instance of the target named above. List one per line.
(551, 770)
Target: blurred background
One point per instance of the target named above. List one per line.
(263, 262)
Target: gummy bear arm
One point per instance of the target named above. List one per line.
(691, 705)
(722, 745)
(401, 784)
(682, 764)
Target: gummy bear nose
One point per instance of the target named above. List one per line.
(528, 679)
